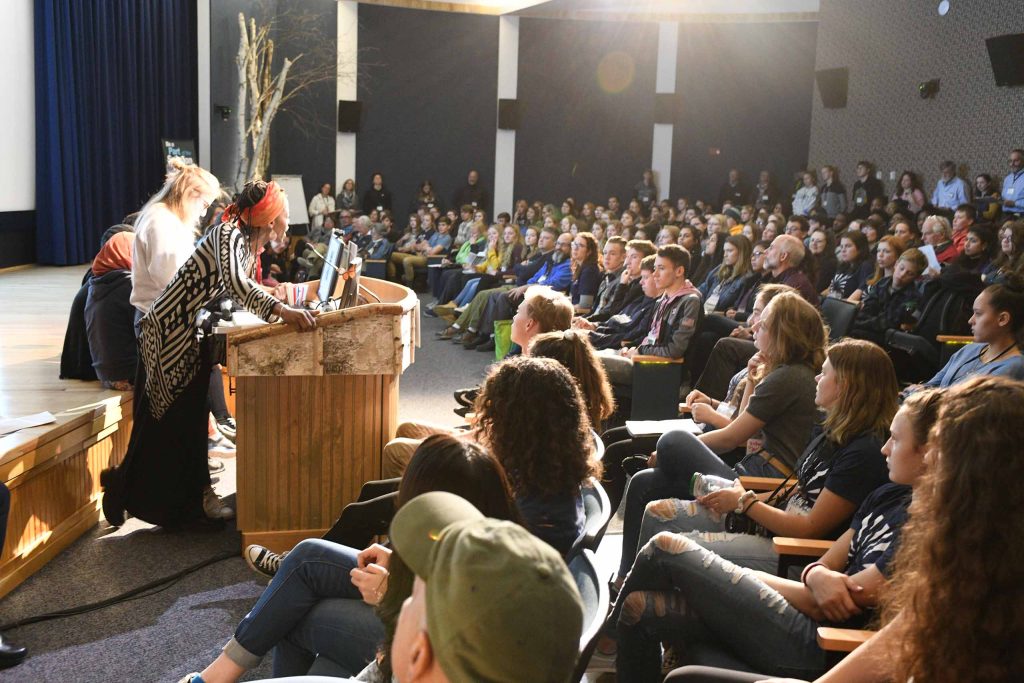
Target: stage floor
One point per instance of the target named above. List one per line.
(33, 319)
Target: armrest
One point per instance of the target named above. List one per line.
(657, 359)
(842, 639)
(374, 260)
(760, 483)
(954, 339)
(804, 547)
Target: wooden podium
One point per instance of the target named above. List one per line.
(314, 410)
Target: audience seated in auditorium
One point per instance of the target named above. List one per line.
(632, 323)
(854, 268)
(675, 318)
(607, 301)
(893, 302)
(885, 252)
(938, 233)
(931, 625)
(723, 288)
(773, 620)
(909, 192)
(573, 350)
(997, 324)
(773, 427)
(782, 261)
(322, 588)
(1008, 261)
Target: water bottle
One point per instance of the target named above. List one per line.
(703, 484)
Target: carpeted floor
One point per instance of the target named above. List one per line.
(182, 628)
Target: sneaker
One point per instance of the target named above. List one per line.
(486, 346)
(470, 340)
(217, 443)
(228, 427)
(215, 465)
(466, 397)
(449, 333)
(193, 677)
(263, 560)
(215, 507)
(461, 309)
(429, 311)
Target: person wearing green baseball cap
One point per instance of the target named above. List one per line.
(491, 602)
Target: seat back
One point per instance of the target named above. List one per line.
(655, 390)
(378, 487)
(838, 315)
(596, 600)
(598, 510)
(361, 521)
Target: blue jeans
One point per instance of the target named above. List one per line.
(680, 455)
(309, 608)
(702, 603)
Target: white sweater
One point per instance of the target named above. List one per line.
(162, 244)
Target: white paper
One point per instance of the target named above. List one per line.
(14, 424)
(929, 253)
(658, 427)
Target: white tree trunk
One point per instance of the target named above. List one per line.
(268, 117)
(241, 137)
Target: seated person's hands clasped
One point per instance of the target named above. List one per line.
(833, 591)
(371, 574)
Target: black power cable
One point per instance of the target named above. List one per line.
(143, 591)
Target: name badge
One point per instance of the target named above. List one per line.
(1010, 192)
(380, 208)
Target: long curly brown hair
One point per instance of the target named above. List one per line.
(573, 349)
(533, 418)
(957, 577)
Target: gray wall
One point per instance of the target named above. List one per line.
(744, 89)
(577, 137)
(889, 48)
(428, 84)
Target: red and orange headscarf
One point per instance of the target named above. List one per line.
(263, 213)
(116, 254)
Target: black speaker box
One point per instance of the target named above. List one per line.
(1007, 56)
(508, 114)
(350, 114)
(665, 108)
(832, 85)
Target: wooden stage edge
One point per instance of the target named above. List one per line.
(52, 470)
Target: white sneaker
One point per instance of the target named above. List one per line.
(218, 444)
(215, 507)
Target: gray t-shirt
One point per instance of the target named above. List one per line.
(784, 401)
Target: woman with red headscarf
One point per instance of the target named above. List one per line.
(164, 478)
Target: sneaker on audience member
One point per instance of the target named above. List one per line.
(486, 346)
(470, 340)
(215, 507)
(429, 310)
(228, 427)
(263, 560)
(449, 332)
(218, 444)
(215, 465)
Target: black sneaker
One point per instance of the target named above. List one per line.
(429, 310)
(486, 346)
(215, 465)
(263, 560)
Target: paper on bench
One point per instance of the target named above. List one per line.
(659, 427)
(14, 424)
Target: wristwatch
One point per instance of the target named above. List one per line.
(741, 504)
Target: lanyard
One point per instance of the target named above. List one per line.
(1002, 353)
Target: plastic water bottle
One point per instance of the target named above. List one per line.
(703, 484)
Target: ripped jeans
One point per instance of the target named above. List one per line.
(680, 454)
(707, 528)
(709, 608)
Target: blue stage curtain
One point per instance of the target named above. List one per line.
(113, 77)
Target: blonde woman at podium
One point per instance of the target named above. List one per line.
(164, 478)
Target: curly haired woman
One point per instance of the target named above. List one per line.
(532, 417)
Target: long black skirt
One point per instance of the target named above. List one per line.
(165, 472)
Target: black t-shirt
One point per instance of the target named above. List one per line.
(876, 528)
(851, 471)
(846, 282)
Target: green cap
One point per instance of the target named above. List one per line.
(501, 604)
